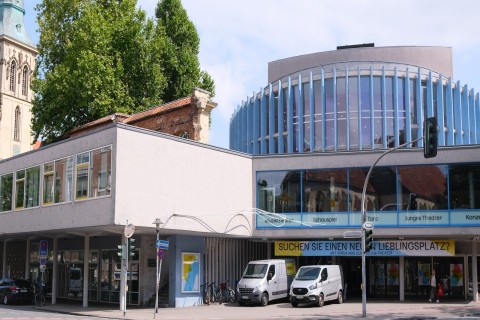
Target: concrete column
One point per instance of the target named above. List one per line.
(27, 261)
(4, 262)
(474, 270)
(86, 256)
(55, 271)
(401, 273)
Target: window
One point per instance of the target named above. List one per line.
(48, 183)
(63, 180)
(57, 181)
(16, 126)
(82, 176)
(6, 192)
(25, 81)
(13, 70)
(19, 189)
(27, 188)
(93, 171)
(32, 188)
(101, 169)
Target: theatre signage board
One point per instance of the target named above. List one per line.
(393, 248)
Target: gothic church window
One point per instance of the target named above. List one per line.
(16, 128)
(24, 80)
(13, 70)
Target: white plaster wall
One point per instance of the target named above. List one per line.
(188, 185)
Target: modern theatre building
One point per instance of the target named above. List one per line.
(291, 186)
(316, 129)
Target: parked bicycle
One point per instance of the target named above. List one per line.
(39, 294)
(215, 294)
(227, 293)
(205, 293)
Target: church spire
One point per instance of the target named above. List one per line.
(12, 22)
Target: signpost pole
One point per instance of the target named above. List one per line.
(158, 268)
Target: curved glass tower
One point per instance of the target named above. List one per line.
(356, 98)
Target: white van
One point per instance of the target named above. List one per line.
(264, 281)
(317, 284)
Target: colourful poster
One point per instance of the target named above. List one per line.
(456, 275)
(392, 274)
(190, 272)
(423, 274)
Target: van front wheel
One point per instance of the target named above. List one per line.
(321, 300)
(340, 297)
(264, 300)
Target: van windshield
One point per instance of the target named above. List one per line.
(255, 270)
(307, 273)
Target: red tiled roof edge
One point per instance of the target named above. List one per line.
(116, 117)
(183, 102)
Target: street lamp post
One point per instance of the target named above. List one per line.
(157, 224)
(364, 220)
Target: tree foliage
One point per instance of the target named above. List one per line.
(99, 57)
(180, 53)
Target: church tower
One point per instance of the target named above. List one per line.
(17, 65)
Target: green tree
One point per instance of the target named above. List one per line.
(96, 57)
(179, 57)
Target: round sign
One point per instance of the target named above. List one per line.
(129, 230)
(43, 261)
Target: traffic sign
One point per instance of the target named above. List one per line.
(162, 244)
(43, 268)
(43, 261)
(161, 253)
(43, 251)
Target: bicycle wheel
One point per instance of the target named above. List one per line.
(40, 299)
(231, 295)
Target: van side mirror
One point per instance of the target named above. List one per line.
(269, 277)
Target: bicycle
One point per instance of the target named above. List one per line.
(205, 293)
(215, 295)
(227, 293)
(39, 294)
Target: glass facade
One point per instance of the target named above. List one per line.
(355, 109)
(440, 195)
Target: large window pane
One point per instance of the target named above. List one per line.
(381, 189)
(422, 188)
(296, 119)
(306, 116)
(353, 110)
(6, 192)
(20, 189)
(82, 176)
(377, 111)
(279, 191)
(48, 183)
(330, 114)
(101, 170)
(365, 111)
(464, 186)
(33, 187)
(341, 113)
(318, 119)
(63, 180)
(325, 191)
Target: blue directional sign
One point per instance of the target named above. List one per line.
(43, 251)
(162, 244)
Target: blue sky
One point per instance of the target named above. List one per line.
(239, 38)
